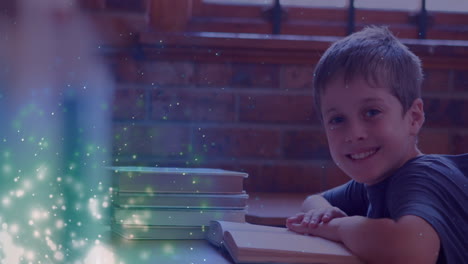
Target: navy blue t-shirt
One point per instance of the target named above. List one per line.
(433, 187)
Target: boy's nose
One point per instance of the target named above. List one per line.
(356, 132)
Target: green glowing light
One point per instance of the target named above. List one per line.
(7, 169)
(168, 249)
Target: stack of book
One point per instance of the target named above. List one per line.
(174, 203)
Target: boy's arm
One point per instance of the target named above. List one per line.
(408, 240)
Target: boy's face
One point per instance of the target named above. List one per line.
(367, 133)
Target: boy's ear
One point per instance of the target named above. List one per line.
(416, 116)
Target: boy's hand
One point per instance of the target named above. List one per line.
(314, 217)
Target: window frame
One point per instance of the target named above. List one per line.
(199, 16)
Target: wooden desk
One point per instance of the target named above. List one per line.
(273, 208)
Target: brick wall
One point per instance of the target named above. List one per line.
(248, 107)
(245, 103)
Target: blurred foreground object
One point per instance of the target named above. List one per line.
(55, 120)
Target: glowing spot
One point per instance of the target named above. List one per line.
(168, 249)
(59, 224)
(7, 169)
(39, 214)
(51, 244)
(144, 255)
(6, 201)
(11, 253)
(36, 214)
(27, 184)
(30, 255)
(58, 255)
(100, 255)
(41, 172)
(19, 193)
(14, 228)
(94, 208)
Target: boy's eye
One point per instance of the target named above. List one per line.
(336, 120)
(372, 112)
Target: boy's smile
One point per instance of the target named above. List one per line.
(364, 154)
(368, 135)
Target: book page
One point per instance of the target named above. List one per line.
(285, 246)
(217, 228)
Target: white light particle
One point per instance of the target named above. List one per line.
(59, 224)
(30, 255)
(41, 172)
(36, 214)
(100, 254)
(11, 253)
(6, 201)
(58, 255)
(51, 244)
(27, 184)
(19, 193)
(14, 228)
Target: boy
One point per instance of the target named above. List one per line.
(401, 206)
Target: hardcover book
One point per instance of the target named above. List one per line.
(174, 217)
(179, 200)
(144, 232)
(177, 180)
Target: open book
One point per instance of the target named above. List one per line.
(248, 243)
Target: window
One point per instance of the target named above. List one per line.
(446, 19)
(443, 19)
